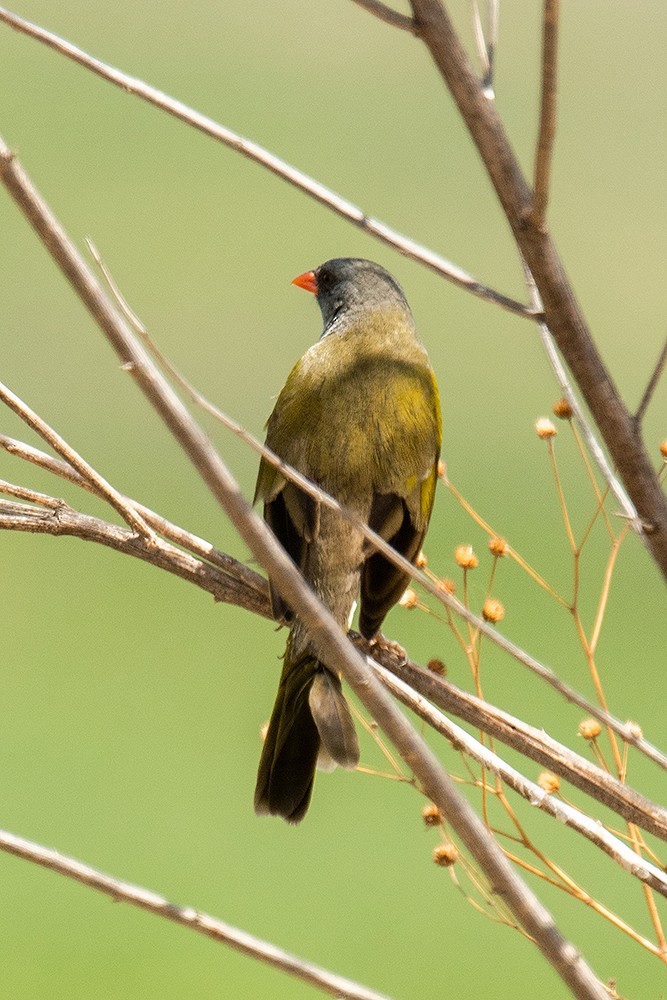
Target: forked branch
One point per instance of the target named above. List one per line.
(563, 315)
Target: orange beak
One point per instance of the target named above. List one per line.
(307, 281)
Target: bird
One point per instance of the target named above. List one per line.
(359, 416)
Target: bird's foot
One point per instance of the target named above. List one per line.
(380, 644)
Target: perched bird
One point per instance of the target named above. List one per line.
(359, 416)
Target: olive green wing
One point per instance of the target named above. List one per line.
(291, 514)
(401, 511)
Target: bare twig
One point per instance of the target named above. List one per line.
(79, 275)
(561, 811)
(533, 743)
(652, 384)
(32, 496)
(627, 507)
(102, 487)
(388, 15)
(232, 567)
(242, 587)
(253, 151)
(562, 312)
(379, 543)
(327, 639)
(62, 520)
(486, 46)
(187, 916)
(547, 131)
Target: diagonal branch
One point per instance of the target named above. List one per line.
(341, 206)
(534, 744)
(58, 443)
(388, 15)
(329, 642)
(187, 916)
(60, 520)
(652, 384)
(591, 829)
(562, 312)
(233, 583)
(547, 132)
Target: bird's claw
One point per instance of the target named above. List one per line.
(381, 644)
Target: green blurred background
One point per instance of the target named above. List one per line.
(131, 704)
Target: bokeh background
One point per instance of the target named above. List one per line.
(131, 704)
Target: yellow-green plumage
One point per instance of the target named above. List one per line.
(359, 415)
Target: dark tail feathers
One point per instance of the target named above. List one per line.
(310, 718)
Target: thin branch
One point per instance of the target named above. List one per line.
(486, 47)
(627, 507)
(379, 543)
(239, 586)
(198, 546)
(533, 743)
(64, 521)
(652, 385)
(86, 471)
(48, 228)
(591, 829)
(328, 640)
(492, 44)
(547, 132)
(187, 916)
(253, 151)
(562, 312)
(627, 731)
(32, 496)
(388, 15)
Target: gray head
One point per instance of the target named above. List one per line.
(348, 286)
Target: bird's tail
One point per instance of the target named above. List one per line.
(310, 724)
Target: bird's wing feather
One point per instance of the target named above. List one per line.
(401, 521)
